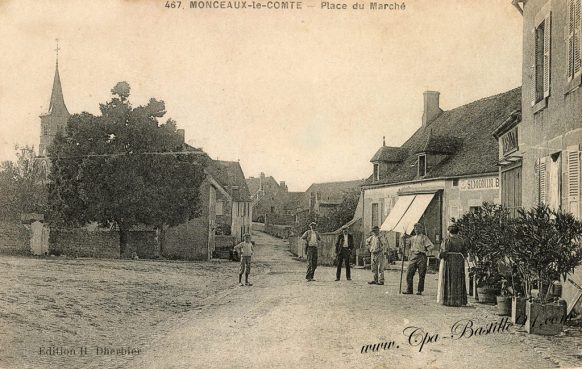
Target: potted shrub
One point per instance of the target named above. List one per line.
(488, 234)
(547, 248)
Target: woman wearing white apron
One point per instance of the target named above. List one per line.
(452, 288)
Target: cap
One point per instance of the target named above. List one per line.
(375, 228)
(312, 223)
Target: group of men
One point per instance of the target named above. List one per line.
(418, 244)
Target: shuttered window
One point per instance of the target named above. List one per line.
(573, 173)
(542, 60)
(573, 39)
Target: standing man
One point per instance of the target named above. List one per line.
(312, 239)
(376, 248)
(420, 244)
(245, 250)
(343, 249)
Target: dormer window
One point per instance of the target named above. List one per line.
(421, 165)
(376, 172)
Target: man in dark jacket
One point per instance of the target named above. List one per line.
(343, 249)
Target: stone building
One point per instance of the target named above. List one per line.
(550, 131)
(446, 168)
(321, 198)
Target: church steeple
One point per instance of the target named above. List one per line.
(57, 104)
(57, 115)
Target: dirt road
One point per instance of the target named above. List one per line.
(285, 322)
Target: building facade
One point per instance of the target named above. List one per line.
(550, 132)
(447, 168)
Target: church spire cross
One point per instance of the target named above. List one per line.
(57, 50)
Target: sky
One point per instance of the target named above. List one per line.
(303, 95)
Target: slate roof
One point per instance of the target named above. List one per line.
(441, 144)
(389, 154)
(229, 174)
(472, 126)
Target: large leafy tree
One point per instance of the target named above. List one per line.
(22, 185)
(124, 168)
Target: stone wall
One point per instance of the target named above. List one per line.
(80, 242)
(14, 238)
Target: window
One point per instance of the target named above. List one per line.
(45, 130)
(421, 165)
(376, 171)
(573, 38)
(219, 208)
(375, 216)
(541, 67)
(455, 182)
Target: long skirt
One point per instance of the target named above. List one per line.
(452, 287)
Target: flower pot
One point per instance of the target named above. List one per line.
(504, 305)
(518, 310)
(544, 319)
(487, 295)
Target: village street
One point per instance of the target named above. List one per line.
(284, 322)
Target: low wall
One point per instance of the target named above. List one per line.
(279, 231)
(102, 243)
(224, 242)
(84, 243)
(14, 238)
(258, 227)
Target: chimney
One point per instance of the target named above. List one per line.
(182, 135)
(283, 186)
(431, 107)
(262, 176)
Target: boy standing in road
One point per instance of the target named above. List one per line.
(245, 250)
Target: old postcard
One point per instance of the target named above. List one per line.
(290, 184)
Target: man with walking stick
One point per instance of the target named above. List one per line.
(420, 244)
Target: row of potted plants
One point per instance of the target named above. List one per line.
(518, 261)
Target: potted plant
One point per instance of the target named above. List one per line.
(547, 248)
(487, 232)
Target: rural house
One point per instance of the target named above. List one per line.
(446, 168)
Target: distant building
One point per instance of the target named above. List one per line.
(321, 198)
(269, 197)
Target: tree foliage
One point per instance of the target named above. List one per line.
(547, 244)
(22, 185)
(489, 237)
(337, 217)
(124, 168)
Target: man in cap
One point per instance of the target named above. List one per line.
(343, 249)
(245, 250)
(312, 239)
(420, 244)
(376, 248)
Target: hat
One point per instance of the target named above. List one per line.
(344, 228)
(312, 223)
(375, 228)
(246, 234)
(419, 225)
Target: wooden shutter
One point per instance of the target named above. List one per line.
(573, 173)
(543, 181)
(537, 181)
(547, 52)
(577, 35)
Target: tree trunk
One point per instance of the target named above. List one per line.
(123, 236)
(161, 234)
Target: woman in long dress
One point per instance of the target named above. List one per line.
(452, 289)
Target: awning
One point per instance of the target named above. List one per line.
(397, 212)
(403, 217)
